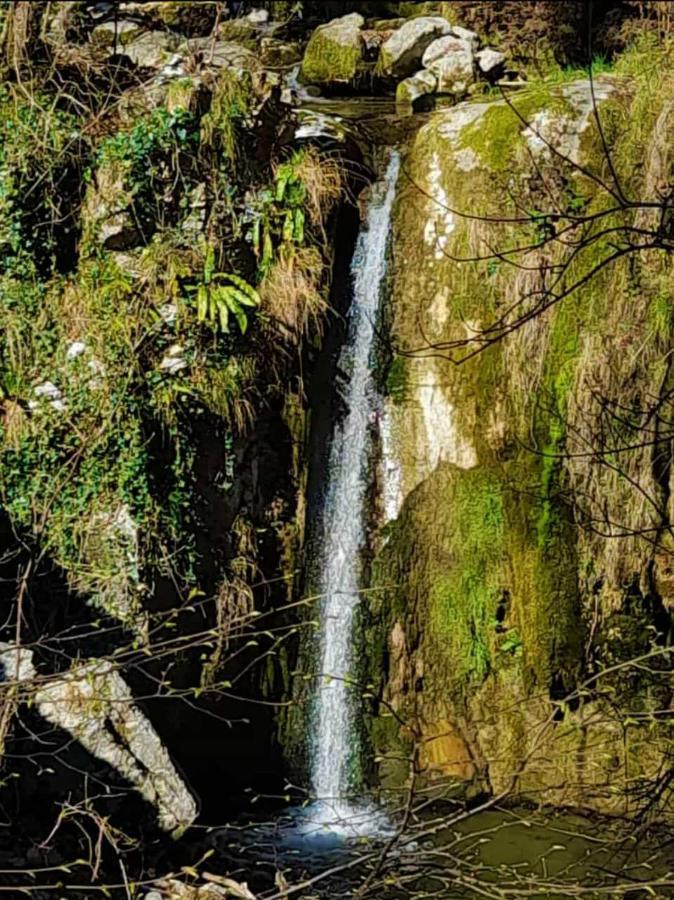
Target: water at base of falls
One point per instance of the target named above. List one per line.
(335, 745)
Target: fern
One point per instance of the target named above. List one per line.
(221, 295)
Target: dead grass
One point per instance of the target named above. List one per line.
(291, 293)
(323, 178)
(230, 391)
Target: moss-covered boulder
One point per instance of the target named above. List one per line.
(416, 86)
(333, 54)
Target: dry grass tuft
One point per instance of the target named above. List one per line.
(14, 420)
(323, 179)
(291, 294)
(230, 391)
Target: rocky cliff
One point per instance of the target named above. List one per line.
(527, 472)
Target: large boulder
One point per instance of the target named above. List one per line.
(402, 53)
(334, 54)
(444, 46)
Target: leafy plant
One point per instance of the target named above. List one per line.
(221, 294)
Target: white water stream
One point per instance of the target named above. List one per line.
(336, 735)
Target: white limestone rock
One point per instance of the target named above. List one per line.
(402, 53)
(452, 62)
(258, 17)
(490, 62)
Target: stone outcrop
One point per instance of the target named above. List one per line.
(490, 62)
(425, 55)
(451, 60)
(419, 85)
(494, 609)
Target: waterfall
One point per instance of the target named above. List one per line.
(336, 745)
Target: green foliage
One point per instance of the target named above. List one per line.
(39, 147)
(229, 110)
(144, 169)
(279, 217)
(158, 133)
(600, 65)
(221, 294)
(397, 380)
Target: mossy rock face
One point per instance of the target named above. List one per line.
(333, 55)
(490, 599)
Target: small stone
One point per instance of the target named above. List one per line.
(49, 392)
(168, 313)
(99, 10)
(490, 62)
(76, 349)
(258, 16)
(174, 361)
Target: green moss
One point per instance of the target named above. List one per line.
(465, 597)
(496, 136)
(328, 61)
(428, 8)
(230, 106)
(397, 380)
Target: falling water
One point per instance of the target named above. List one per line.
(335, 749)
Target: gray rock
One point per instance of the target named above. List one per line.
(48, 392)
(416, 86)
(279, 54)
(222, 54)
(452, 62)
(490, 62)
(106, 214)
(401, 54)
(151, 50)
(333, 54)
(174, 361)
(258, 16)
